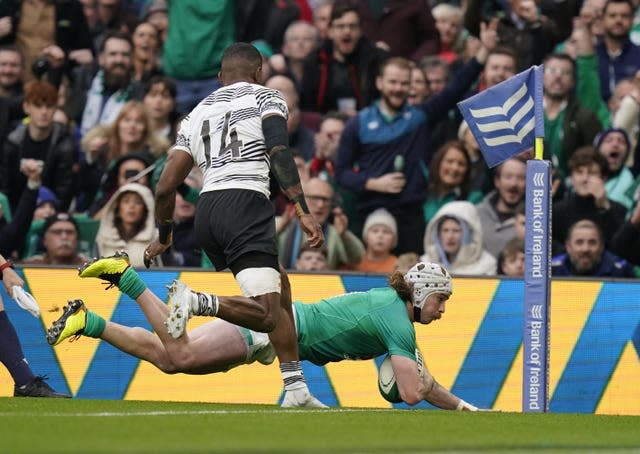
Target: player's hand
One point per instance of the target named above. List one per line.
(154, 249)
(315, 237)
(11, 278)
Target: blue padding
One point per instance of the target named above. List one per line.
(112, 370)
(494, 348)
(31, 334)
(612, 323)
(363, 283)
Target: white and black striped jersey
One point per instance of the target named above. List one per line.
(223, 134)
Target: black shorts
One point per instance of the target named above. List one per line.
(237, 229)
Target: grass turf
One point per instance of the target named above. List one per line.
(95, 426)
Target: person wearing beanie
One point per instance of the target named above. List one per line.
(380, 236)
(614, 145)
(46, 205)
(60, 235)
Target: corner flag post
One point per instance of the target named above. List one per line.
(508, 119)
(535, 364)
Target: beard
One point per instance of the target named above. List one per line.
(116, 81)
(583, 267)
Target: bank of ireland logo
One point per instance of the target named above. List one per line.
(538, 179)
(536, 311)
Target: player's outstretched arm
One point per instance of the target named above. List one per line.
(285, 170)
(441, 397)
(178, 165)
(414, 388)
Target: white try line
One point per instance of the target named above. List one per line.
(275, 411)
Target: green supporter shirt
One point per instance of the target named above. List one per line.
(199, 33)
(357, 325)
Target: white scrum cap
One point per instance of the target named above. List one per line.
(427, 278)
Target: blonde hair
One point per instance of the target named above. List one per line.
(155, 144)
(397, 282)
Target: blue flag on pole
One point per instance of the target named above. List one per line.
(506, 118)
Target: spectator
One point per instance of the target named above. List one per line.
(587, 256)
(587, 199)
(41, 139)
(522, 28)
(380, 235)
(132, 167)
(344, 67)
(10, 72)
(128, 223)
(419, 87)
(614, 145)
(511, 259)
(56, 33)
(445, 127)
(300, 137)
(26, 383)
(625, 111)
(501, 64)
(626, 241)
(146, 52)
(322, 17)
(266, 20)
(14, 225)
(312, 259)
(343, 247)
(449, 20)
(184, 249)
(160, 104)
(200, 31)
(46, 204)
(568, 125)
(156, 13)
(498, 208)
(60, 239)
(618, 57)
(130, 133)
(97, 100)
(521, 220)
(113, 16)
(453, 239)
(449, 179)
(300, 39)
(326, 142)
(479, 173)
(405, 29)
(384, 147)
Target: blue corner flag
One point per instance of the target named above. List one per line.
(507, 118)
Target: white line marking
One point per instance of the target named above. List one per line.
(276, 411)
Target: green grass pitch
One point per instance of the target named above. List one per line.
(95, 426)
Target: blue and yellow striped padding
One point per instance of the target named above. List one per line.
(475, 350)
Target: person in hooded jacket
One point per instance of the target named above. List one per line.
(453, 238)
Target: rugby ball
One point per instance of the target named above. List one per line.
(387, 382)
(387, 379)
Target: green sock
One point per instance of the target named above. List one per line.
(94, 325)
(130, 284)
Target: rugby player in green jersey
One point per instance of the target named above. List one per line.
(357, 325)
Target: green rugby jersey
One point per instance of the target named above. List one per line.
(358, 325)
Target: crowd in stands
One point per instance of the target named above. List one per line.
(92, 93)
